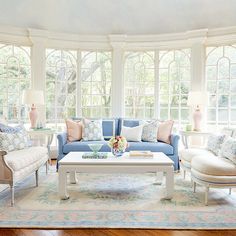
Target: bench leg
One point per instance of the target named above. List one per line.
(37, 177)
(47, 166)
(230, 191)
(206, 195)
(194, 187)
(12, 194)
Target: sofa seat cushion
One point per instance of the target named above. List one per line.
(21, 159)
(216, 166)
(214, 179)
(188, 154)
(82, 146)
(153, 147)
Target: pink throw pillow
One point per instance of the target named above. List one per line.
(74, 130)
(164, 131)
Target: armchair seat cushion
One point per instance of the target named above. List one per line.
(20, 159)
(215, 166)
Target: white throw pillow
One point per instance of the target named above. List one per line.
(133, 134)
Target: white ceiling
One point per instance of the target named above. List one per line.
(118, 16)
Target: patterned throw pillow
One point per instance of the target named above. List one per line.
(214, 143)
(228, 149)
(149, 133)
(9, 129)
(92, 130)
(13, 141)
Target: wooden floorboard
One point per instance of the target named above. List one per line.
(114, 232)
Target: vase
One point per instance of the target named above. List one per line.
(117, 153)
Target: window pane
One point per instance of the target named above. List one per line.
(15, 75)
(222, 89)
(139, 84)
(96, 84)
(174, 79)
(60, 86)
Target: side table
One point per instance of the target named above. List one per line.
(186, 134)
(48, 133)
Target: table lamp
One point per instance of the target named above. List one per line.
(195, 100)
(33, 97)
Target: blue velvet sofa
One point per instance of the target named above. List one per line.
(112, 127)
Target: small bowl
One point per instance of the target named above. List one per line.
(95, 147)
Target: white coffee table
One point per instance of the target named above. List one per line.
(73, 162)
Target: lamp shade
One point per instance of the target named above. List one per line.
(32, 96)
(197, 98)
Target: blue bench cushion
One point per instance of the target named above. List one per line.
(153, 147)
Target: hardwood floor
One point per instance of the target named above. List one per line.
(114, 232)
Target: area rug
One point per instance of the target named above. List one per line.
(116, 201)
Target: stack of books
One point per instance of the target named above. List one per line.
(141, 154)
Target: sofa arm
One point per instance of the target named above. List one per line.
(62, 139)
(174, 141)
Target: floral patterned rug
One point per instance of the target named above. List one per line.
(116, 201)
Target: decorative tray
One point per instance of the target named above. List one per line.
(98, 155)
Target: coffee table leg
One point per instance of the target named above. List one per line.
(169, 182)
(73, 178)
(62, 184)
(159, 177)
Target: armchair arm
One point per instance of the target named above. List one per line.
(174, 141)
(62, 139)
(6, 173)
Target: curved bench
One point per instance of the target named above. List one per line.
(213, 171)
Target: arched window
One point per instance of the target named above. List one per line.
(96, 84)
(174, 85)
(139, 77)
(15, 76)
(221, 84)
(60, 86)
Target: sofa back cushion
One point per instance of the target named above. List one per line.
(127, 123)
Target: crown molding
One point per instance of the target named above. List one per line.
(30, 36)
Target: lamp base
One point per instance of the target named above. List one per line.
(33, 115)
(197, 118)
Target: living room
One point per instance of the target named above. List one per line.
(118, 117)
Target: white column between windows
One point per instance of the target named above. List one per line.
(117, 88)
(198, 66)
(38, 72)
